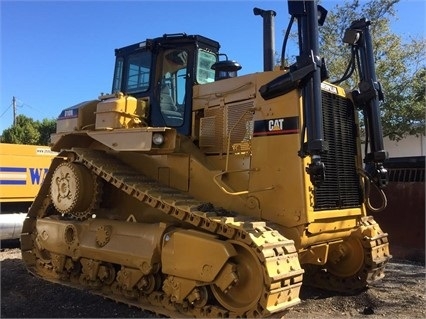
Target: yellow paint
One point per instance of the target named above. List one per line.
(22, 170)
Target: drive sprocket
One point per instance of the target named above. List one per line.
(74, 190)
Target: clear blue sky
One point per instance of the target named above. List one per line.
(55, 54)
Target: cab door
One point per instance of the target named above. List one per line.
(173, 90)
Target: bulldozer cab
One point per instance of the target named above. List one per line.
(162, 72)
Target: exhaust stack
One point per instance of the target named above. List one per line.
(268, 37)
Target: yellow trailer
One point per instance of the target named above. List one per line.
(22, 170)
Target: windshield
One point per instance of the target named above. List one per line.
(205, 60)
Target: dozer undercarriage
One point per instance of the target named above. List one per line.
(198, 264)
(248, 268)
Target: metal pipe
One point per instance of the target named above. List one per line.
(11, 225)
(306, 13)
(368, 98)
(309, 51)
(370, 87)
(268, 37)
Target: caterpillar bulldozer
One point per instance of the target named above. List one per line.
(191, 191)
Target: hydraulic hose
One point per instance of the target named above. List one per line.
(367, 187)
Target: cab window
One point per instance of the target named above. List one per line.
(118, 75)
(205, 60)
(138, 72)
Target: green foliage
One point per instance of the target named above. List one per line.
(46, 128)
(28, 131)
(400, 63)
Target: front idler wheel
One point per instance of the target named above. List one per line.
(248, 289)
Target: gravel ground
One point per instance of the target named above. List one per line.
(401, 294)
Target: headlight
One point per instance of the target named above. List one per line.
(158, 138)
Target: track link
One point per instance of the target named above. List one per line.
(282, 274)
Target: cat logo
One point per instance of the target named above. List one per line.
(276, 125)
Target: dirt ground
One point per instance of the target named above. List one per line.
(401, 294)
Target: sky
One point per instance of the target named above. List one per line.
(55, 54)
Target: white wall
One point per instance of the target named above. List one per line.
(409, 146)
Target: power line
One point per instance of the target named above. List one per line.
(17, 102)
(10, 105)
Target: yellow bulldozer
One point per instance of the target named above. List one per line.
(191, 191)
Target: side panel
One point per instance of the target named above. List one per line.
(275, 144)
(170, 170)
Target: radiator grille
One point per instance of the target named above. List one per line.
(341, 188)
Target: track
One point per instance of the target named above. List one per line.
(372, 247)
(280, 269)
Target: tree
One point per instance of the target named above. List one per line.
(400, 66)
(28, 131)
(46, 128)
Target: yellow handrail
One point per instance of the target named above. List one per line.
(218, 181)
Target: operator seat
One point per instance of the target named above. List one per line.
(166, 100)
(169, 108)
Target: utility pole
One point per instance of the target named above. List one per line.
(14, 110)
